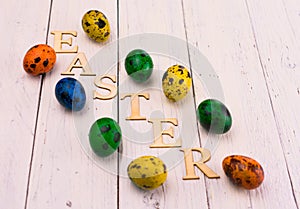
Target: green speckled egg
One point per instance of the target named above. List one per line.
(139, 65)
(176, 82)
(214, 116)
(147, 172)
(96, 25)
(105, 136)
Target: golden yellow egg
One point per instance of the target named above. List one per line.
(96, 25)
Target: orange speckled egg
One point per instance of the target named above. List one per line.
(243, 171)
(39, 59)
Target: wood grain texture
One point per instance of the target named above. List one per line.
(160, 17)
(20, 30)
(279, 59)
(225, 37)
(64, 172)
(244, 53)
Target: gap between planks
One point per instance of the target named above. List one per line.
(118, 101)
(270, 100)
(37, 112)
(193, 91)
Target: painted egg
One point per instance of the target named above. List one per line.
(39, 59)
(214, 116)
(147, 172)
(96, 25)
(243, 171)
(139, 65)
(70, 93)
(176, 82)
(105, 136)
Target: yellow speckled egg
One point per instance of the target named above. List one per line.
(176, 82)
(147, 172)
(96, 25)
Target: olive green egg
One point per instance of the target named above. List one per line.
(147, 172)
(96, 25)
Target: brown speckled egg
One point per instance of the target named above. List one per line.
(243, 171)
(39, 59)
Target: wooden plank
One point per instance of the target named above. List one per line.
(277, 35)
(222, 31)
(65, 173)
(19, 95)
(166, 18)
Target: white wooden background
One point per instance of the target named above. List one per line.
(254, 48)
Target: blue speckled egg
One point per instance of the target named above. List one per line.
(70, 93)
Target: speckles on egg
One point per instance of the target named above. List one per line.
(243, 171)
(139, 65)
(176, 82)
(70, 93)
(214, 116)
(105, 136)
(147, 172)
(39, 59)
(96, 25)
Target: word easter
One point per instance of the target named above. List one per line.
(80, 61)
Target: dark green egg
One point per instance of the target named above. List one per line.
(139, 65)
(214, 116)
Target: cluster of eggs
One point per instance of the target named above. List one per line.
(41, 59)
(146, 172)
